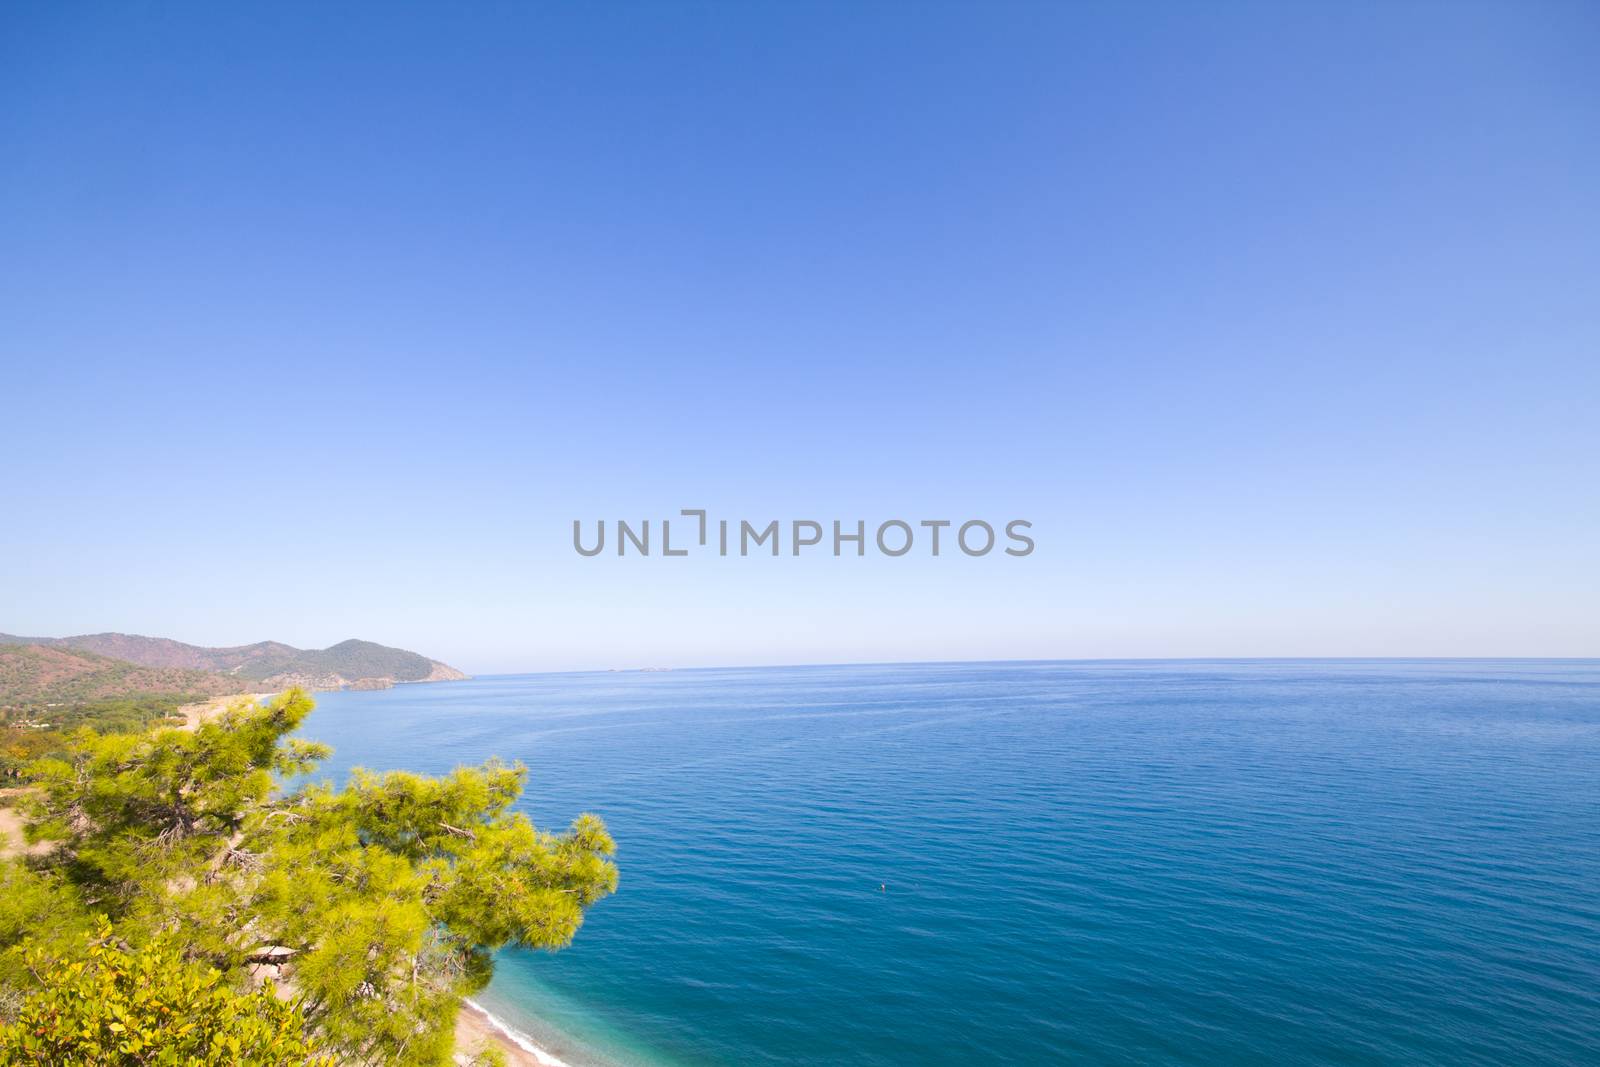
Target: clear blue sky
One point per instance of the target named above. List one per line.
(1280, 322)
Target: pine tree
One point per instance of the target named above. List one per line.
(380, 904)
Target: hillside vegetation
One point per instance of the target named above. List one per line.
(266, 664)
(46, 693)
(120, 683)
(32, 675)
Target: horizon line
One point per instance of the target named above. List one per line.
(656, 669)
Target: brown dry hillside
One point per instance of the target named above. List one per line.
(38, 674)
(266, 664)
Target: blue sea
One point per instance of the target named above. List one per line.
(1262, 862)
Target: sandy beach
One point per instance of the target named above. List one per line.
(195, 714)
(475, 1027)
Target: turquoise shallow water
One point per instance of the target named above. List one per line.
(1341, 862)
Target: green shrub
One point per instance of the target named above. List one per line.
(151, 1007)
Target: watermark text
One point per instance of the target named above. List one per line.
(695, 532)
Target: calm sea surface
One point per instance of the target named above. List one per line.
(1268, 862)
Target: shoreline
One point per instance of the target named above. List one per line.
(476, 1026)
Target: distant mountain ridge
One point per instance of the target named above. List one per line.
(266, 664)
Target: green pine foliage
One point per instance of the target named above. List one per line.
(380, 904)
(150, 1006)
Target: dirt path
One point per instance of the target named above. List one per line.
(11, 839)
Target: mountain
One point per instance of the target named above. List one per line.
(43, 674)
(264, 665)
